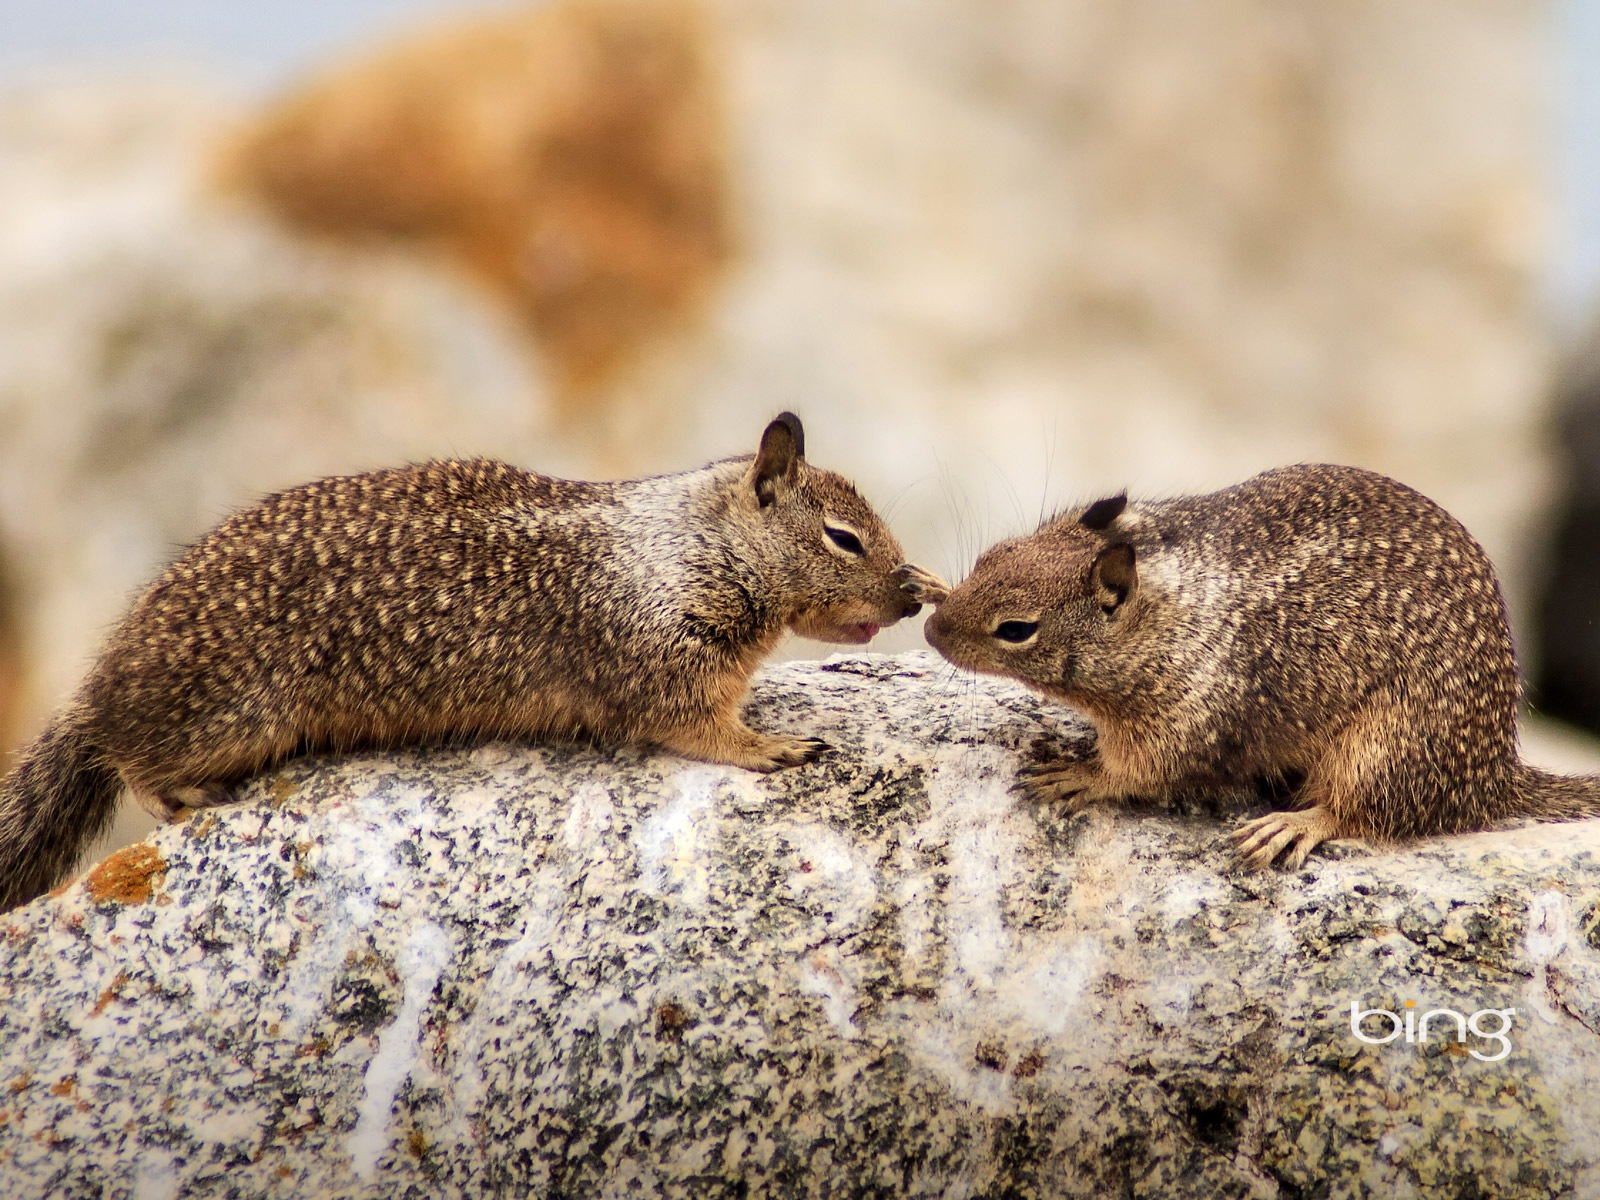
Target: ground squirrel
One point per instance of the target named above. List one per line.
(1322, 625)
(452, 599)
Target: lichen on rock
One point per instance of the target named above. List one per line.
(561, 971)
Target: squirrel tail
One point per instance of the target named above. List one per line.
(1557, 797)
(60, 795)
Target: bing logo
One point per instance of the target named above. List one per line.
(1441, 1022)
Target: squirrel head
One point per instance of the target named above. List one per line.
(1048, 608)
(841, 566)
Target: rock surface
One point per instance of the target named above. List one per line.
(550, 971)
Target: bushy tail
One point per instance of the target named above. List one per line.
(1557, 797)
(57, 799)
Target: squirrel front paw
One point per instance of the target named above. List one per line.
(737, 745)
(921, 584)
(775, 753)
(1075, 783)
(1284, 836)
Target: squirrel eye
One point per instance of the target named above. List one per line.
(845, 539)
(1016, 632)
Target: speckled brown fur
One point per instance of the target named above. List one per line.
(1319, 622)
(459, 599)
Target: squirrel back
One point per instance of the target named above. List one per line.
(461, 599)
(1316, 622)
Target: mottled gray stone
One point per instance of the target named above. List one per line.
(557, 972)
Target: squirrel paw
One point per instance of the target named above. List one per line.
(921, 584)
(180, 803)
(1074, 784)
(1293, 835)
(774, 754)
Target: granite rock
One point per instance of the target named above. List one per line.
(565, 972)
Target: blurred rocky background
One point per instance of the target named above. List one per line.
(1566, 671)
(1000, 255)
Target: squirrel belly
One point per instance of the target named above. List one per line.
(460, 599)
(1319, 622)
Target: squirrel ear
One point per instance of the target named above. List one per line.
(1101, 513)
(783, 445)
(1114, 576)
(797, 431)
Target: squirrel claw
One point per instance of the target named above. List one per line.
(787, 752)
(1059, 782)
(921, 585)
(1073, 799)
(1044, 794)
(1292, 835)
(1031, 771)
(815, 748)
(1034, 791)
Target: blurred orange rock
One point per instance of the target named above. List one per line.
(572, 156)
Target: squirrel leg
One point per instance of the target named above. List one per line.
(733, 742)
(1361, 766)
